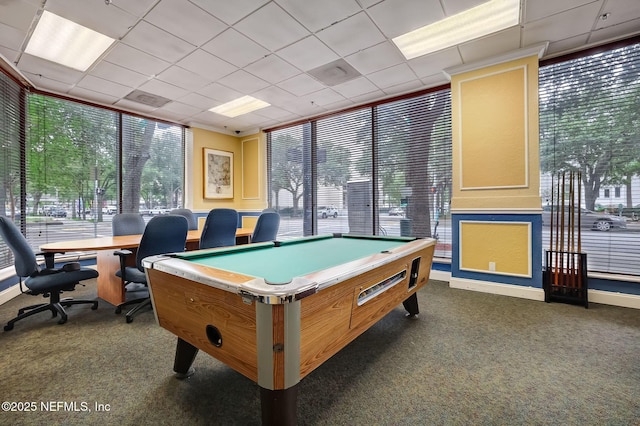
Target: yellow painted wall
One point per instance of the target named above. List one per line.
(254, 183)
(506, 244)
(495, 137)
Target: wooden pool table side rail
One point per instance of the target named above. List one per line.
(331, 319)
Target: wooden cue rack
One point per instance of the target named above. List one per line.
(565, 270)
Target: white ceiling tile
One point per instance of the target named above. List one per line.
(197, 100)
(435, 80)
(106, 19)
(103, 86)
(273, 95)
(613, 33)
(101, 98)
(492, 45)
(183, 78)
(562, 25)
(136, 60)
(355, 87)
(535, 10)
(369, 97)
(118, 74)
(351, 35)
(315, 15)
(18, 14)
(324, 97)
(368, 3)
(48, 84)
(308, 53)
(230, 11)
(49, 70)
(176, 17)
(10, 37)
(273, 113)
(272, 69)
(183, 109)
(9, 55)
(404, 87)
(624, 11)
(392, 76)
(236, 48)
(220, 93)
(435, 62)
(301, 85)
(375, 58)
(243, 82)
(206, 65)
(136, 8)
(397, 17)
(567, 44)
(282, 31)
(163, 89)
(157, 42)
(133, 106)
(453, 7)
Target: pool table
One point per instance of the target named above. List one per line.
(276, 311)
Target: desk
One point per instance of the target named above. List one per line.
(109, 286)
(275, 312)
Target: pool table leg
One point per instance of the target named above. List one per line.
(279, 406)
(411, 305)
(185, 355)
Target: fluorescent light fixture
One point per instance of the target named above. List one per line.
(60, 40)
(239, 106)
(487, 18)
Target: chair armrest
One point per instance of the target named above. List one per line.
(122, 254)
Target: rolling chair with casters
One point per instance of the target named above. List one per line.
(266, 227)
(219, 229)
(163, 234)
(129, 224)
(46, 282)
(191, 219)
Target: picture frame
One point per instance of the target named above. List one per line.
(218, 174)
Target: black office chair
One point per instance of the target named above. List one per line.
(219, 229)
(266, 227)
(163, 234)
(127, 224)
(46, 282)
(191, 218)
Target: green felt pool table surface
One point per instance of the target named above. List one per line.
(279, 263)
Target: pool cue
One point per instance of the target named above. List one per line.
(550, 258)
(570, 236)
(579, 230)
(556, 239)
(562, 226)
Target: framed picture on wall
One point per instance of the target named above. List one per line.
(218, 173)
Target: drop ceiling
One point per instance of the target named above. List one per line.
(197, 54)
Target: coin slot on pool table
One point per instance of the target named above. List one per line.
(214, 336)
(376, 289)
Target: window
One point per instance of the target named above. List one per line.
(383, 170)
(590, 123)
(67, 167)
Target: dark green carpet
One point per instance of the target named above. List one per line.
(470, 358)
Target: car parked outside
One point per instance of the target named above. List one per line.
(110, 210)
(588, 219)
(57, 212)
(396, 211)
(327, 211)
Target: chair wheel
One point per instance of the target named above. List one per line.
(129, 319)
(118, 310)
(62, 320)
(94, 306)
(8, 327)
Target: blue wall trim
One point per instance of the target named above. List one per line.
(536, 248)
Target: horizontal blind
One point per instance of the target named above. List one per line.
(344, 186)
(413, 167)
(11, 144)
(590, 124)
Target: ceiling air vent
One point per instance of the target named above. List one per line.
(147, 98)
(335, 72)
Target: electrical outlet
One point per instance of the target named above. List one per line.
(492, 266)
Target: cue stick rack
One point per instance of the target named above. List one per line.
(565, 273)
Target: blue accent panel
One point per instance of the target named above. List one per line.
(445, 267)
(536, 248)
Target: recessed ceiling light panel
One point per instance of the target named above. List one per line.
(60, 40)
(240, 106)
(487, 18)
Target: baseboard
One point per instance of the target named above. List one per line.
(595, 296)
(9, 293)
(531, 293)
(616, 299)
(440, 275)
